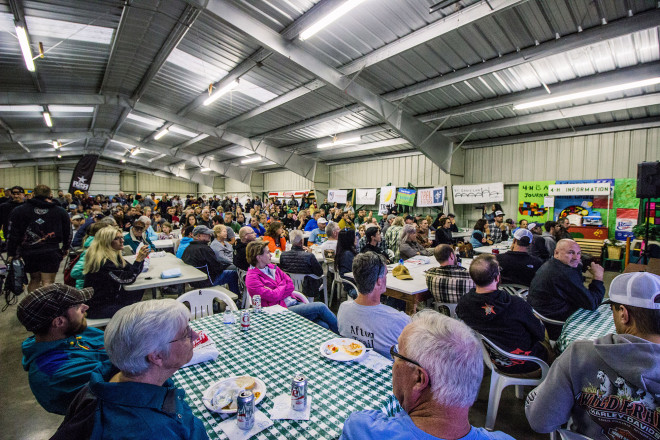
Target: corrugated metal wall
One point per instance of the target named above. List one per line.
(285, 180)
(219, 185)
(148, 183)
(23, 176)
(233, 186)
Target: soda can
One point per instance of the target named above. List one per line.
(256, 302)
(245, 321)
(299, 393)
(245, 410)
(496, 251)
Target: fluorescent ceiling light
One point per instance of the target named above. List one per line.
(123, 161)
(352, 140)
(59, 156)
(54, 109)
(56, 145)
(205, 170)
(182, 131)
(135, 151)
(214, 97)
(21, 108)
(147, 121)
(25, 47)
(588, 93)
(252, 159)
(347, 6)
(49, 122)
(160, 134)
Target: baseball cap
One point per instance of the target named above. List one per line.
(78, 217)
(201, 229)
(498, 213)
(531, 226)
(73, 206)
(43, 305)
(523, 236)
(401, 272)
(322, 220)
(391, 217)
(638, 289)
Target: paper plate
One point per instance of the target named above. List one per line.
(334, 350)
(259, 387)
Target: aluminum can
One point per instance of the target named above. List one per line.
(496, 251)
(245, 410)
(299, 393)
(245, 321)
(256, 302)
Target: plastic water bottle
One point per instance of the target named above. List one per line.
(228, 321)
(401, 261)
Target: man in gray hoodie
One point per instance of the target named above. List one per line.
(610, 387)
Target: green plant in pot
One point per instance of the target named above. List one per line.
(639, 231)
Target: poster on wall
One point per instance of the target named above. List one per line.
(586, 199)
(406, 197)
(431, 197)
(593, 188)
(387, 195)
(337, 195)
(626, 219)
(532, 204)
(482, 193)
(365, 196)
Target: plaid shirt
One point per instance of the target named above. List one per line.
(448, 283)
(363, 241)
(495, 232)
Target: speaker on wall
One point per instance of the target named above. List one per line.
(648, 180)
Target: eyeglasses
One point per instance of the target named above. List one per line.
(394, 352)
(189, 335)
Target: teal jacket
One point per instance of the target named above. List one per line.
(77, 271)
(59, 369)
(134, 243)
(183, 244)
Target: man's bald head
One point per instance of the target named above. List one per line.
(568, 252)
(246, 234)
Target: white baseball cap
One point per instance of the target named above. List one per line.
(521, 234)
(637, 289)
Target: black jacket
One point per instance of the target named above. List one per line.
(538, 248)
(5, 210)
(298, 261)
(38, 226)
(109, 294)
(518, 267)
(240, 259)
(558, 290)
(442, 236)
(375, 249)
(507, 321)
(200, 255)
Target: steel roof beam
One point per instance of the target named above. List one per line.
(435, 146)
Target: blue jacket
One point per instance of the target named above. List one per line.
(130, 410)
(260, 231)
(311, 225)
(183, 244)
(59, 369)
(80, 233)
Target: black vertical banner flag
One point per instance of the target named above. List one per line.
(82, 174)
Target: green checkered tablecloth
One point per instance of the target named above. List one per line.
(274, 349)
(586, 324)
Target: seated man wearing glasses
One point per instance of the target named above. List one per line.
(436, 376)
(136, 235)
(148, 342)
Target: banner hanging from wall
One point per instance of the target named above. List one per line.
(431, 197)
(337, 195)
(287, 194)
(82, 175)
(482, 193)
(532, 204)
(387, 196)
(580, 189)
(406, 197)
(365, 196)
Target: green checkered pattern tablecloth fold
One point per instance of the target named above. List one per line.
(586, 324)
(274, 349)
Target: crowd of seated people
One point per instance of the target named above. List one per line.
(229, 240)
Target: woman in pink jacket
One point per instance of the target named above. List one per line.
(275, 287)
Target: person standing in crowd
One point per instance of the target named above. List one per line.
(36, 230)
(107, 272)
(63, 352)
(549, 235)
(17, 198)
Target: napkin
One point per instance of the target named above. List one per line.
(203, 350)
(230, 427)
(272, 310)
(419, 259)
(171, 273)
(375, 361)
(282, 408)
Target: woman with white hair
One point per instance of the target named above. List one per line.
(148, 342)
(151, 234)
(107, 272)
(222, 249)
(408, 244)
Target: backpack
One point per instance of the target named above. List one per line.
(68, 279)
(14, 282)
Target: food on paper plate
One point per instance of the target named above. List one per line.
(245, 382)
(354, 349)
(225, 395)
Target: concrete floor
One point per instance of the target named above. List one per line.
(22, 418)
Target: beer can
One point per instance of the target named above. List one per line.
(496, 251)
(245, 410)
(245, 321)
(256, 302)
(299, 393)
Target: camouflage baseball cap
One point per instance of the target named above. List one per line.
(43, 305)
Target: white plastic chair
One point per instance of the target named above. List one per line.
(241, 285)
(98, 323)
(498, 380)
(201, 301)
(516, 290)
(299, 278)
(338, 283)
(548, 320)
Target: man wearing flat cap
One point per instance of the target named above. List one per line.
(63, 352)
